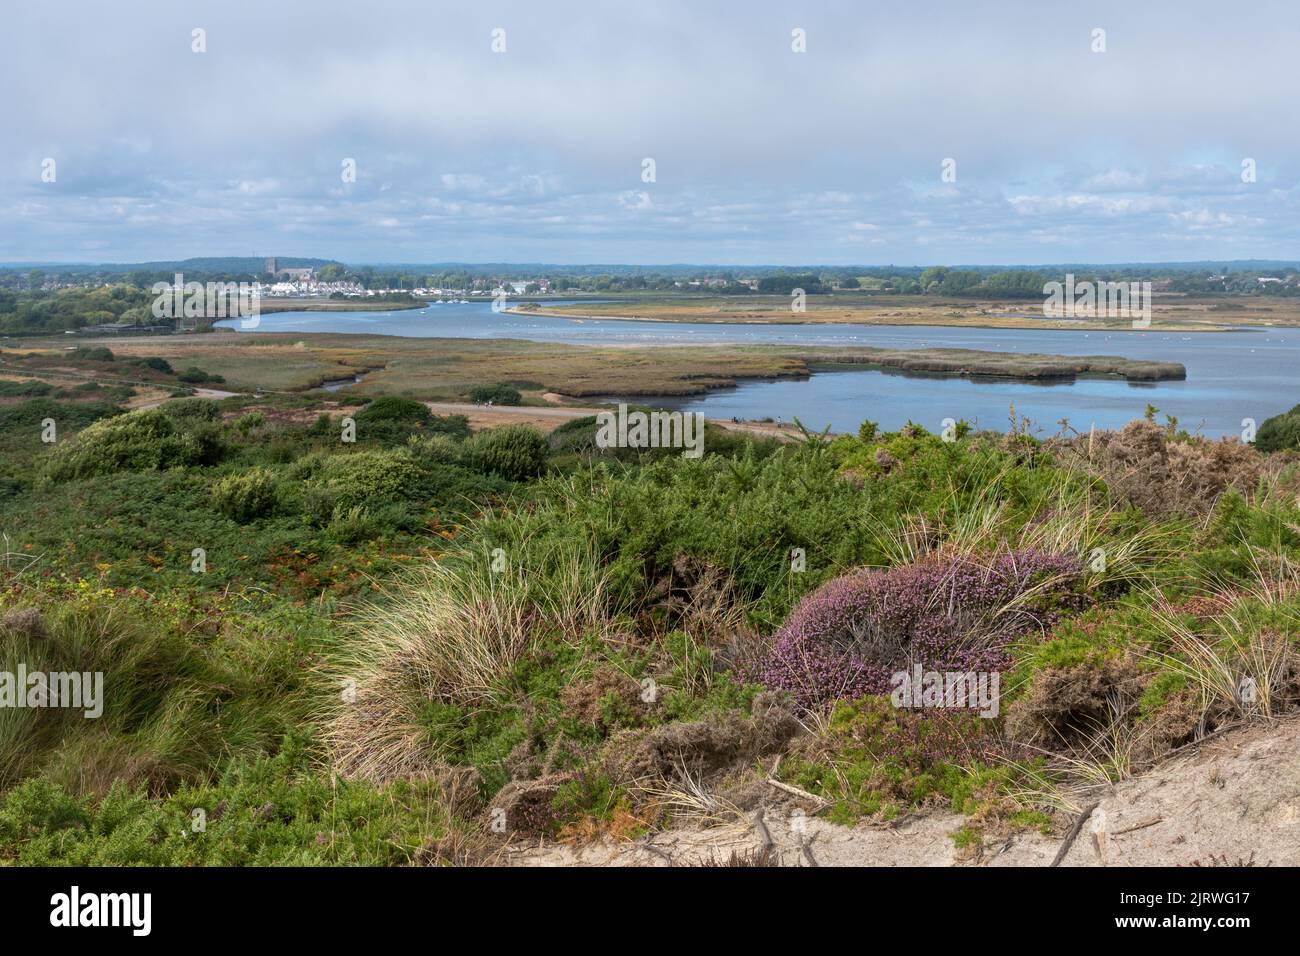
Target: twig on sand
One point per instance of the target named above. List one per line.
(1139, 826)
(796, 792)
(647, 845)
(761, 826)
(1074, 833)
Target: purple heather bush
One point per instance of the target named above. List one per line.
(947, 613)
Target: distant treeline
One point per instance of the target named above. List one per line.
(58, 298)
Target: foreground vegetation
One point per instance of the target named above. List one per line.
(390, 641)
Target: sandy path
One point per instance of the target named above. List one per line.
(1232, 800)
(213, 393)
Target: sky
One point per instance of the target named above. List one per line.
(906, 133)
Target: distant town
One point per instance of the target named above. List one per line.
(120, 299)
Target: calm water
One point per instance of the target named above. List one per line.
(1230, 375)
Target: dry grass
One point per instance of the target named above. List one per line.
(452, 631)
(685, 795)
(1073, 521)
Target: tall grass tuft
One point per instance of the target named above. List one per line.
(454, 632)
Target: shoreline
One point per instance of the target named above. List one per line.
(895, 321)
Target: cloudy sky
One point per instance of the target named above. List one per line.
(761, 154)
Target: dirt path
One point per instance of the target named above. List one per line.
(213, 393)
(1232, 801)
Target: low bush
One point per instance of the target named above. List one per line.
(499, 394)
(265, 811)
(156, 438)
(393, 408)
(246, 496)
(369, 478)
(512, 452)
(845, 640)
(157, 364)
(196, 376)
(391, 419)
(1279, 433)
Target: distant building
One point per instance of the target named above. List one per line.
(292, 275)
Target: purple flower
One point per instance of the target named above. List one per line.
(848, 637)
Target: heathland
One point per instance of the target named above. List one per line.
(343, 629)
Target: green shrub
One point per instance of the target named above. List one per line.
(435, 449)
(247, 422)
(196, 376)
(97, 354)
(499, 394)
(191, 410)
(157, 364)
(349, 525)
(512, 452)
(29, 389)
(369, 478)
(140, 441)
(263, 811)
(244, 497)
(1279, 433)
(393, 408)
(392, 420)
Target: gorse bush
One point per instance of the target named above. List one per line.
(249, 421)
(29, 389)
(393, 408)
(191, 410)
(393, 420)
(512, 452)
(369, 477)
(156, 363)
(266, 811)
(197, 376)
(436, 449)
(1279, 433)
(139, 441)
(874, 759)
(500, 394)
(246, 496)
